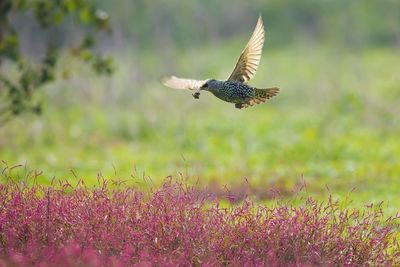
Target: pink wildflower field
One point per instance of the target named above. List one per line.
(177, 225)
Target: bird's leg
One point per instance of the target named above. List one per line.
(239, 105)
(196, 94)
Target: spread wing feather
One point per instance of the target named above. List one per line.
(249, 60)
(180, 83)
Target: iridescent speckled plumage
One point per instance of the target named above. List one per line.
(235, 89)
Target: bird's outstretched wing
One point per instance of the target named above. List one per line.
(179, 83)
(247, 64)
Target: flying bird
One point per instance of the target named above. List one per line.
(235, 89)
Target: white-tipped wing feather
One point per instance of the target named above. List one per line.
(247, 64)
(179, 83)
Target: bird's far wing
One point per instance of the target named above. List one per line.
(179, 83)
(247, 64)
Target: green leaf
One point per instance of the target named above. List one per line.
(58, 17)
(87, 42)
(70, 5)
(5, 7)
(9, 47)
(86, 16)
(87, 55)
(103, 65)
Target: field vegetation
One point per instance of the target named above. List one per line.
(118, 169)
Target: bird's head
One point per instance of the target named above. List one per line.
(210, 84)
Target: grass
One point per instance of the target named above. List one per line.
(299, 180)
(175, 225)
(334, 124)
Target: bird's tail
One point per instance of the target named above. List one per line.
(261, 96)
(266, 93)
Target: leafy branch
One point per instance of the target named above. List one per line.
(17, 91)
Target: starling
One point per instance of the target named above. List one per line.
(235, 89)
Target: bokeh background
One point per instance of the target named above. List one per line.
(334, 126)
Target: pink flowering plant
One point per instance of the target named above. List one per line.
(67, 225)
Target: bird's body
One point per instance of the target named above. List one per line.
(235, 89)
(230, 91)
(241, 94)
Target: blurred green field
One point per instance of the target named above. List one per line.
(334, 125)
